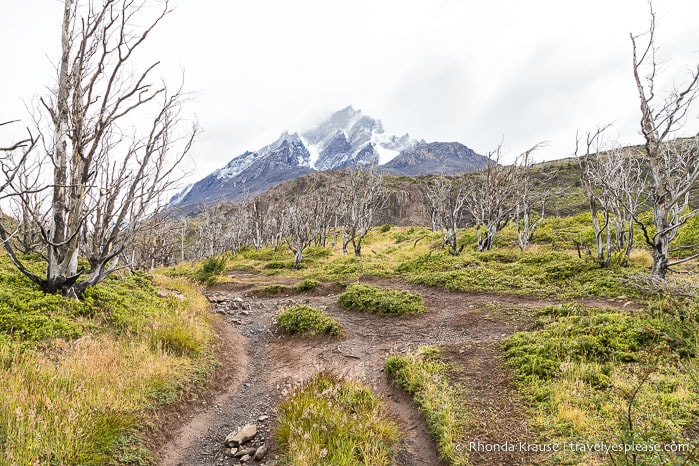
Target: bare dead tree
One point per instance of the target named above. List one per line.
(446, 198)
(209, 230)
(13, 159)
(13, 169)
(257, 213)
(673, 162)
(326, 206)
(156, 244)
(361, 195)
(106, 177)
(530, 197)
(598, 198)
(300, 231)
(615, 185)
(492, 196)
(619, 173)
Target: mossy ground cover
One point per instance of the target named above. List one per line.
(610, 376)
(78, 378)
(331, 421)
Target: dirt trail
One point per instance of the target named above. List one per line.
(265, 366)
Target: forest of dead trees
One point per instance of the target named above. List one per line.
(86, 191)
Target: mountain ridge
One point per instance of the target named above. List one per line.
(347, 139)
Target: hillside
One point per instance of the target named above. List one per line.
(509, 345)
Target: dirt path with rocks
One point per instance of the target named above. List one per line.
(261, 366)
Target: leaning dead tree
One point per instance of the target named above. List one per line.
(673, 162)
(106, 175)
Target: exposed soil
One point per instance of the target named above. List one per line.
(261, 366)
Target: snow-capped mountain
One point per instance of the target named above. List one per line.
(347, 139)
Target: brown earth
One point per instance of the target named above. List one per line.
(261, 366)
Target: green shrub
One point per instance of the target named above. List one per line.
(626, 376)
(385, 228)
(366, 298)
(316, 252)
(278, 265)
(307, 320)
(579, 334)
(307, 285)
(210, 268)
(274, 289)
(330, 421)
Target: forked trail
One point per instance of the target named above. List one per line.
(261, 366)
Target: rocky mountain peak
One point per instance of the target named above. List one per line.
(346, 139)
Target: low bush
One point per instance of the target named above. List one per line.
(274, 289)
(307, 285)
(279, 265)
(335, 422)
(366, 298)
(307, 320)
(210, 268)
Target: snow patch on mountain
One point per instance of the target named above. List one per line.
(236, 166)
(314, 150)
(177, 198)
(385, 155)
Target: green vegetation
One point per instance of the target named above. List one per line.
(210, 269)
(308, 321)
(605, 375)
(550, 266)
(78, 379)
(307, 285)
(426, 377)
(274, 289)
(330, 421)
(366, 298)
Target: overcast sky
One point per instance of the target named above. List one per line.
(441, 70)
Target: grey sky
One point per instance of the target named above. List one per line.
(448, 70)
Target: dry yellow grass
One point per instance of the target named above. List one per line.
(73, 402)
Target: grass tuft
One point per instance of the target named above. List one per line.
(335, 422)
(307, 285)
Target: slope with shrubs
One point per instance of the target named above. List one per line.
(614, 377)
(624, 374)
(78, 378)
